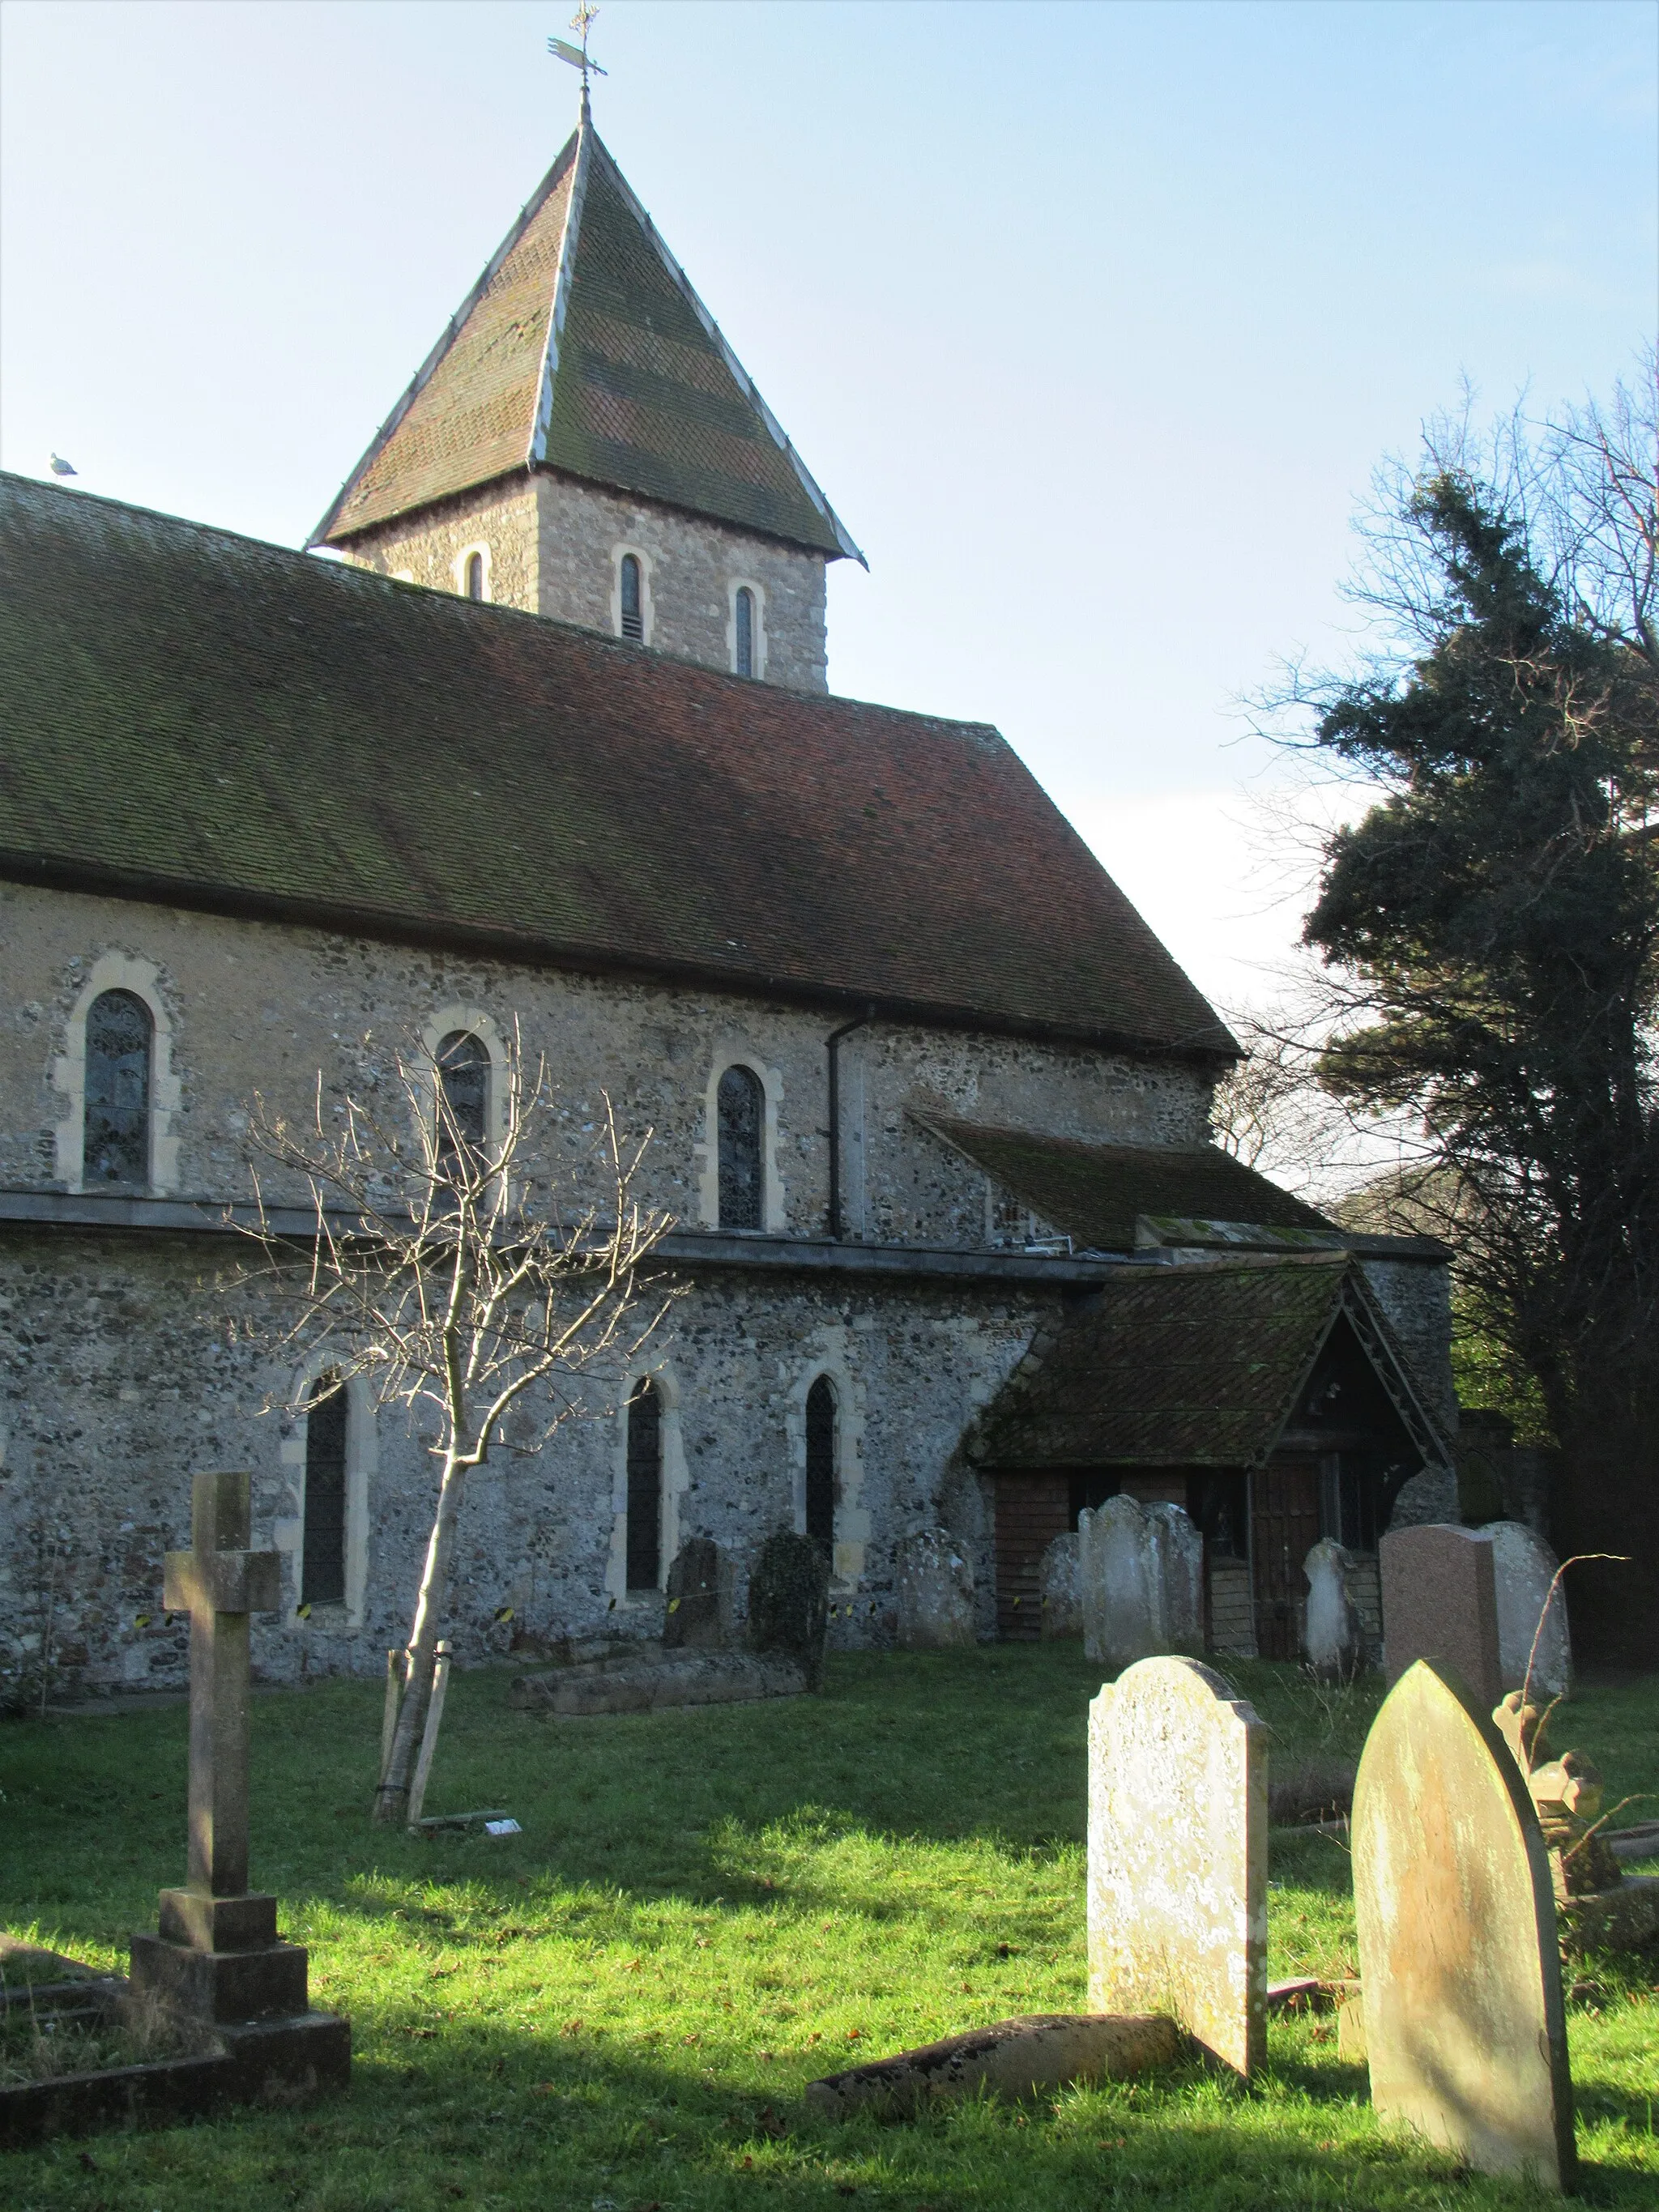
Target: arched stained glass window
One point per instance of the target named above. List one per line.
(115, 1131)
(741, 1110)
(474, 574)
(322, 1574)
(743, 629)
(464, 1073)
(821, 1461)
(633, 597)
(644, 1487)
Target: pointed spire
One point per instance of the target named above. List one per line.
(584, 349)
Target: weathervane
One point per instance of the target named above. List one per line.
(577, 56)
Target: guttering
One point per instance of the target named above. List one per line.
(832, 1046)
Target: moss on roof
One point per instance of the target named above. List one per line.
(1095, 1194)
(1175, 1365)
(646, 396)
(194, 716)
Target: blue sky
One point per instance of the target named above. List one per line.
(1092, 320)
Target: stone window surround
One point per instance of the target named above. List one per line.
(470, 1021)
(647, 592)
(481, 547)
(852, 1521)
(757, 592)
(118, 971)
(706, 1150)
(676, 1480)
(288, 1529)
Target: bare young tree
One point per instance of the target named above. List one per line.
(430, 1268)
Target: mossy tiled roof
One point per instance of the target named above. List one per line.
(1175, 1365)
(583, 348)
(193, 716)
(1095, 1192)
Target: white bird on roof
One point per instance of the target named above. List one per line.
(60, 467)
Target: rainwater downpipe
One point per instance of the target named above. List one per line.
(832, 1044)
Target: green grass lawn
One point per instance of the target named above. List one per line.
(619, 2008)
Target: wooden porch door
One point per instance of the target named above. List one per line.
(1284, 1528)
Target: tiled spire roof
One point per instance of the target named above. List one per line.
(583, 348)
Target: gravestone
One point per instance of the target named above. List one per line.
(789, 1602)
(698, 1613)
(935, 1593)
(1527, 1593)
(1140, 1570)
(1458, 1955)
(1059, 1589)
(1332, 1636)
(1440, 1603)
(1178, 1567)
(218, 1959)
(1178, 1856)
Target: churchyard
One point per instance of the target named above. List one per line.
(707, 1909)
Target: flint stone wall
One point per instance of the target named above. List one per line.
(119, 1378)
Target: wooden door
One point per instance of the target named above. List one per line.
(1031, 1510)
(1284, 1529)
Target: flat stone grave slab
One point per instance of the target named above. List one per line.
(1014, 2058)
(1458, 1955)
(649, 1686)
(1178, 1856)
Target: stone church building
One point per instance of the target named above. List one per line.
(549, 748)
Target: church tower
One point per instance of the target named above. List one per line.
(582, 442)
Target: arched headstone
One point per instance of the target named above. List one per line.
(1527, 1595)
(1332, 1636)
(1178, 1856)
(1459, 1960)
(935, 1592)
(1061, 1590)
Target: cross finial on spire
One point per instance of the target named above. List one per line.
(578, 57)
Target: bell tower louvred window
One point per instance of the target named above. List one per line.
(633, 599)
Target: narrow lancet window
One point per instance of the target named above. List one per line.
(322, 1575)
(633, 597)
(464, 1083)
(743, 624)
(115, 1132)
(821, 1462)
(474, 574)
(741, 1107)
(644, 1487)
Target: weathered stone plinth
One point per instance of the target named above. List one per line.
(219, 1986)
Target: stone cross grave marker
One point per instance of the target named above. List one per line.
(1440, 1603)
(1178, 1856)
(219, 1582)
(218, 1957)
(1459, 1959)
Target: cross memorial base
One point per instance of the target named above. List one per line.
(253, 1999)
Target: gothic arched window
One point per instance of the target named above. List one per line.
(322, 1572)
(743, 631)
(115, 1133)
(473, 576)
(821, 1461)
(632, 595)
(464, 1077)
(644, 1487)
(741, 1114)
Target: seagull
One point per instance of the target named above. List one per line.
(60, 467)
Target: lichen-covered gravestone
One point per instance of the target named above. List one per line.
(935, 1592)
(1459, 1960)
(1331, 1636)
(1178, 1856)
(1061, 1595)
(1140, 1568)
(698, 1615)
(1440, 1603)
(789, 1602)
(1527, 1595)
